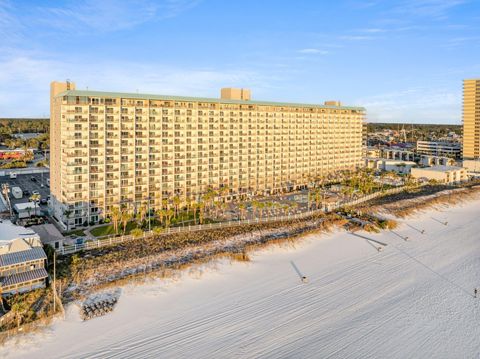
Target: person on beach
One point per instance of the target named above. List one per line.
(475, 292)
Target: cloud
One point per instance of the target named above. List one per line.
(471, 41)
(29, 79)
(10, 27)
(313, 51)
(356, 37)
(110, 15)
(435, 9)
(373, 30)
(420, 104)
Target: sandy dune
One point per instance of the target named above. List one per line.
(412, 300)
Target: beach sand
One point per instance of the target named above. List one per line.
(414, 299)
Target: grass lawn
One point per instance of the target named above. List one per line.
(183, 217)
(108, 229)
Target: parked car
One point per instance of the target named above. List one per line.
(43, 201)
(26, 192)
(35, 193)
(33, 179)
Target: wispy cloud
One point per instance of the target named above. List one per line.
(110, 15)
(313, 51)
(29, 80)
(454, 42)
(356, 37)
(374, 30)
(435, 9)
(418, 104)
(9, 25)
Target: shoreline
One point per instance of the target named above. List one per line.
(217, 274)
(236, 248)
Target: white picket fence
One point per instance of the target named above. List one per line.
(107, 241)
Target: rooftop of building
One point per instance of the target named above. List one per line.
(10, 232)
(23, 206)
(396, 161)
(441, 168)
(446, 143)
(141, 96)
(23, 277)
(33, 254)
(48, 233)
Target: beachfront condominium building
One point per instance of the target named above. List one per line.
(471, 119)
(120, 149)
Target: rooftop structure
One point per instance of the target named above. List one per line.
(27, 209)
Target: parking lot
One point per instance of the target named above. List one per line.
(27, 185)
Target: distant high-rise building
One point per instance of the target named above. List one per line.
(123, 149)
(471, 119)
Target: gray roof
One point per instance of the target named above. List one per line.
(441, 168)
(197, 99)
(23, 277)
(36, 253)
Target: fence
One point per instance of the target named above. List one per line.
(107, 241)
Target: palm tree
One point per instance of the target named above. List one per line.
(188, 204)
(242, 208)
(141, 213)
(115, 216)
(216, 206)
(176, 204)
(125, 217)
(194, 208)
(223, 192)
(261, 207)
(255, 205)
(316, 197)
(201, 213)
(165, 203)
(209, 197)
(309, 198)
(161, 214)
(169, 214)
(66, 213)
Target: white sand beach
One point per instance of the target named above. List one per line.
(414, 299)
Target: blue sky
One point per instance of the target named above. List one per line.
(403, 60)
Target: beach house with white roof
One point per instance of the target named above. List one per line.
(22, 259)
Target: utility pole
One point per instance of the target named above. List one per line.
(6, 191)
(54, 283)
(149, 226)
